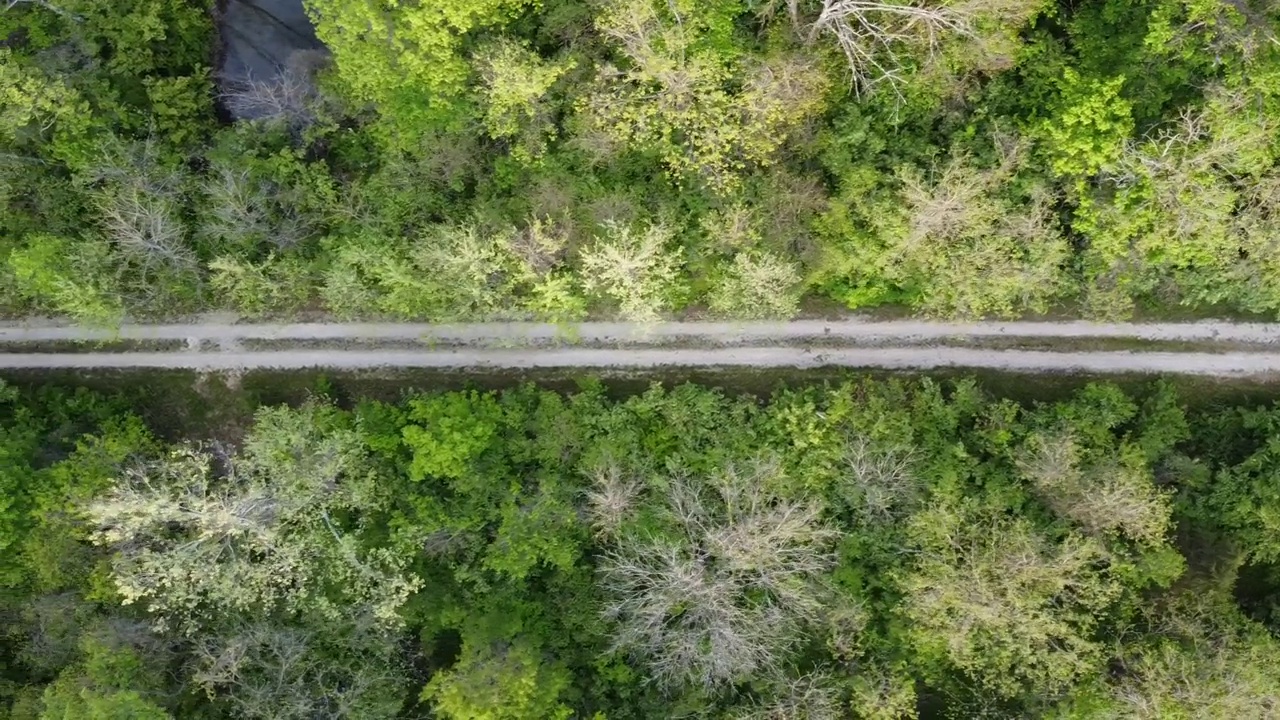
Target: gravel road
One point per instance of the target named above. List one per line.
(1214, 364)
(855, 343)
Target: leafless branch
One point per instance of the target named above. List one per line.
(723, 594)
(290, 96)
(809, 697)
(146, 227)
(285, 97)
(877, 38)
(882, 479)
(11, 4)
(612, 500)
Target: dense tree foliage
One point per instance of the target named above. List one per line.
(872, 549)
(476, 159)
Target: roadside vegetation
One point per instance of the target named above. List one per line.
(482, 159)
(870, 549)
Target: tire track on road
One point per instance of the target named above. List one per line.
(930, 358)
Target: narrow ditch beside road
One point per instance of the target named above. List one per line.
(1212, 348)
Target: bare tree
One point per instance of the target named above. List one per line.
(956, 197)
(707, 120)
(280, 672)
(973, 247)
(787, 208)
(757, 284)
(1109, 498)
(725, 591)
(1257, 224)
(733, 228)
(872, 35)
(542, 244)
(1199, 155)
(11, 4)
(138, 198)
(244, 210)
(1228, 139)
(613, 499)
(1240, 28)
(237, 213)
(291, 96)
(1256, 31)
(882, 481)
(145, 226)
(809, 697)
(1183, 219)
(285, 97)
(51, 625)
(884, 42)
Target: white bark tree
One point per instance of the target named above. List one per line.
(884, 43)
(255, 560)
(277, 672)
(724, 592)
(1118, 497)
(139, 202)
(195, 540)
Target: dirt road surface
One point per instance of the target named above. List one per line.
(1211, 364)
(1205, 348)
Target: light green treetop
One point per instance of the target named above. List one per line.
(406, 58)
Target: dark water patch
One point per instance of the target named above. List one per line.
(268, 50)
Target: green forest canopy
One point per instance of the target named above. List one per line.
(870, 549)
(476, 159)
